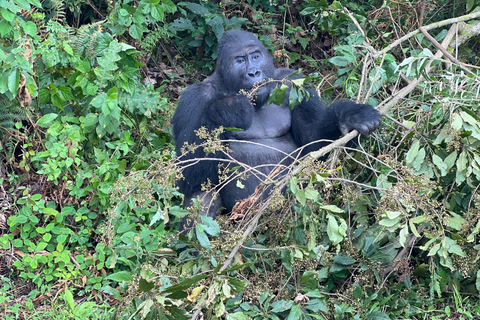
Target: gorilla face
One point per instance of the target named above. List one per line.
(243, 61)
(248, 67)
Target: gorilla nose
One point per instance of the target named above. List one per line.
(254, 74)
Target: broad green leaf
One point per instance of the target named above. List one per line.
(13, 81)
(210, 226)
(69, 299)
(413, 152)
(120, 276)
(434, 250)
(450, 160)
(295, 313)
(343, 260)
(331, 208)
(7, 14)
(145, 286)
(195, 8)
(440, 165)
(186, 284)
(281, 306)
(335, 232)
(47, 120)
(277, 96)
(339, 61)
(457, 122)
(202, 237)
(377, 315)
(461, 168)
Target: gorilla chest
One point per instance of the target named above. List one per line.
(268, 122)
(268, 140)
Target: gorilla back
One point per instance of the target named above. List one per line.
(266, 135)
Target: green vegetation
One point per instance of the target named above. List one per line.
(88, 205)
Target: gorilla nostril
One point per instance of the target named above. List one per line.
(255, 74)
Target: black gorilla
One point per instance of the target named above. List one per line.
(268, 132)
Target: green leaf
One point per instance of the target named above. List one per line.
(461, 168)
(403, 235)
(145, 286)
(136, 31)
(7, 14)
(120, 276)
(450, 160)
(5, 28)
(237, 316)
(477, 282)
(336, 232)
(316, 305)
(210, 226)
(440, 165)
(343, 260)
(69, 299)
(83, 66)
(295, 313)
(281, 306)
(47, 120)
(30, 28)
(36, 3)
(13, 81)
(413, 152)
(195, 8)
(377, 315)
(169, 6)
(278, 96)
(339, 61)
(157, 12)
(186, 284)
(202, 237)
(331, 208)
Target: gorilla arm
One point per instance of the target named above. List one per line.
(231, 112)
(311, 121)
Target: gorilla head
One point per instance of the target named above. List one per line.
(243, 61)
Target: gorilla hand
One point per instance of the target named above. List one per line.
(352, 116)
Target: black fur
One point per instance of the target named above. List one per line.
(242, 61)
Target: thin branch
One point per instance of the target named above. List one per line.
(435, 25)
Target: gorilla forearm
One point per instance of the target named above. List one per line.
(236, 112)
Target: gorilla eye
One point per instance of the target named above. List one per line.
(256, 56)
(240, 60)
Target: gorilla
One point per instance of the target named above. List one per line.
(264, 135)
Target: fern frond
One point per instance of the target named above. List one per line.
(11, 112)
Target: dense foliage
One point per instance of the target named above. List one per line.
(88, 205)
